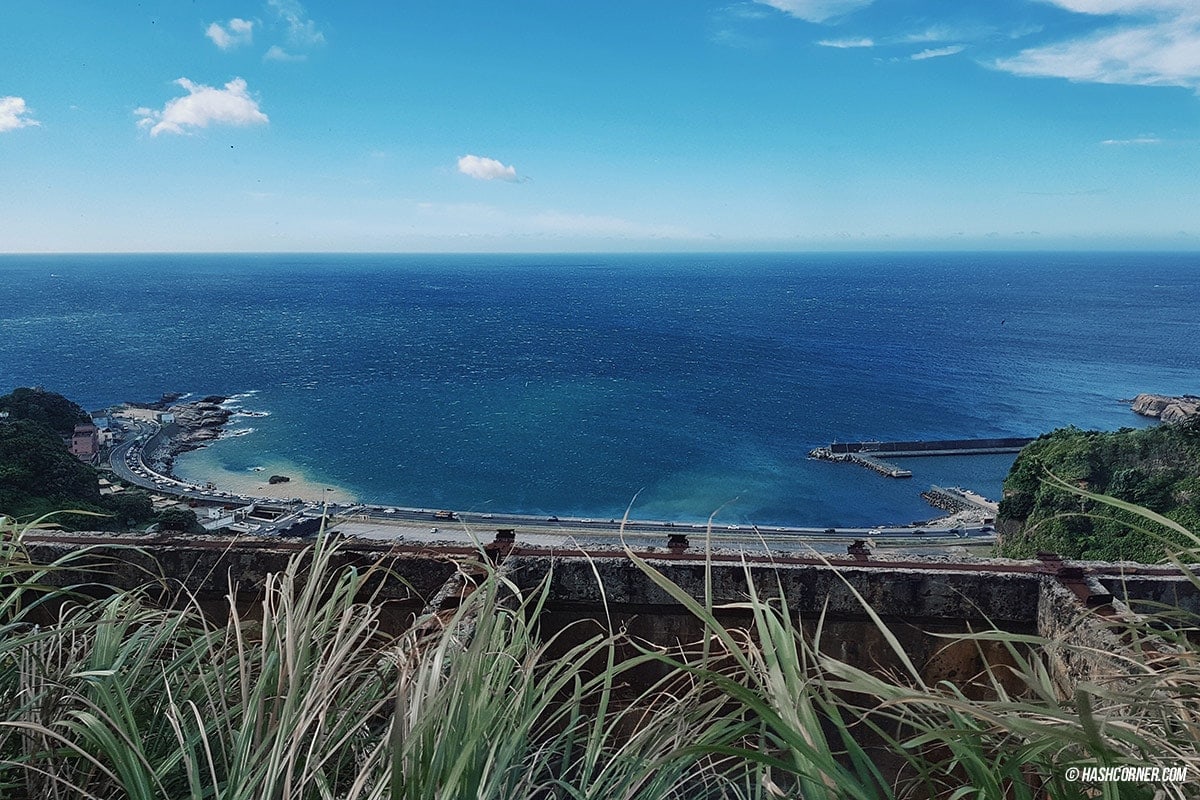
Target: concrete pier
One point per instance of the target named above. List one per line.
(879, 465)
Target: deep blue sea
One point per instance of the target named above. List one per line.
(571, 384)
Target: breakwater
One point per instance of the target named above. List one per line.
(871, 454)
(956, 500)
(879, 465)
(943, 447)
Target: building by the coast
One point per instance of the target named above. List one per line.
(84, 443)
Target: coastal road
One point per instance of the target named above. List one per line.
(128, 464)
(389, 522)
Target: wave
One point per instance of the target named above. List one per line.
(252, 414)
(235, 400)
(229, 434)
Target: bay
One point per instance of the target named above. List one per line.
(577, 384)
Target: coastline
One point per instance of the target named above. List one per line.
(191, 428)
(202, 465)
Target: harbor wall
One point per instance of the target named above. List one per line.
(1009, 444)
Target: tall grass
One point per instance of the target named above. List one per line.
(309, 695)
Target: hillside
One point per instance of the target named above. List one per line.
(1158, 468)
(39, 475)
(47, 409)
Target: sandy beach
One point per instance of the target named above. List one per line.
(200, 467)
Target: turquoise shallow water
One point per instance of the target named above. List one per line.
(572, 384)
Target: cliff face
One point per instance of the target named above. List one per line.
(1167, 409)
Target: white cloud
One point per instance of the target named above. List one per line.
(1161, 49)
(1145, 139)
(302, 32)
(236, 32)
(935, 33)
(816, 10)
(203, 106)
(938, 52)
(277, 53)
(486, 169)
(14, 114)
(845, 44)
(1123, 6)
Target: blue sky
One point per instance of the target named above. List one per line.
(566, 125)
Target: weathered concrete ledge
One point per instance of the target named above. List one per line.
(1072, 606)
(810, 589)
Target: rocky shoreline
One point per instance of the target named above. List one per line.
(199, 423)
(192, 425)
(1166, 408)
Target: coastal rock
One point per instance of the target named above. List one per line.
(1178, 412)
(1165, 408)
(278, 479)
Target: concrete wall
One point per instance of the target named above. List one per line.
(924, 608)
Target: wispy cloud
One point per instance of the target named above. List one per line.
(735, 25)
(1123, 6)
(486, 169)
(14, 114)
(938, 52)
(301, 30)
(816, 10)
(746, 10)
(846, 44)
(233, 34)
(301, 33)
(1157, 45)
(277, 53)
(936, 33)
(203, 106)
(1145, 139)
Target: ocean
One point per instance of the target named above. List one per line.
(685, 385)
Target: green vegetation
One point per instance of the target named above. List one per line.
(1156, 468)
(38, 474)
(47, 409)
(310, 695)
(179, 519)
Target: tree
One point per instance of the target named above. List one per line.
(178, 519)
(50, 410)
(1156, 468)
(38, 474)
(129, 509)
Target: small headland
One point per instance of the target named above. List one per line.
(1166, 408)
(181, 426)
